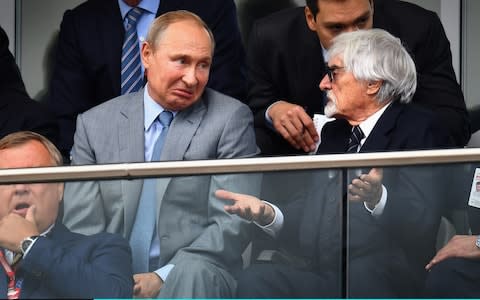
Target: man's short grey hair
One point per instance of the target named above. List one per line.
(373, 55)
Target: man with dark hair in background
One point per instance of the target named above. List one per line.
(286, 63)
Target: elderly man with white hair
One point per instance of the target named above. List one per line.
(393, 213)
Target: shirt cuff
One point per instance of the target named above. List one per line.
(268, 120)
(276, 225)
(164, 271)
(377, 211)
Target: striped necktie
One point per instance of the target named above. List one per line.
(355, 138)
(131, 74)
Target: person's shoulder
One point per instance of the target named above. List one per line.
(394, 11)
(90, 9)
(92, 6)
(417, 118)
(285, 18)
(114, 105)
(219, 101)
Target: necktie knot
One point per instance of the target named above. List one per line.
(133, 15)
(355, 138)
(165, 118)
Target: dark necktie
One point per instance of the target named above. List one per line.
(144, 227)
(355, 138)
(131, 74)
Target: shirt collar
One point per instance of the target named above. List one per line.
(148, 5)
(369, 123)
(151, 109)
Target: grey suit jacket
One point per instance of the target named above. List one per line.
(191, 220)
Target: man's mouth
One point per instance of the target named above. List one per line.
(21, 209)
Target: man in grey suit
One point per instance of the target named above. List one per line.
(195, 243)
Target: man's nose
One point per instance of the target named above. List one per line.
(190, 76)
(21, 189)
(325, 83)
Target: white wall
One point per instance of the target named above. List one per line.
(7, 21)
(39, 26)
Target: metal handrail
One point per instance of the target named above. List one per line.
(243, 165)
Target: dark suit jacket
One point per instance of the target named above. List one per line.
(399, 242)
(286, 63)
(17, 110)
(71, 265)
(87, 69)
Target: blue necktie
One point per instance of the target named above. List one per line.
(131, 73)
(144, 227)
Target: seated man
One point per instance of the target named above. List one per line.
(392, 219)
(89, 67)
(40, 258)
(183, 243)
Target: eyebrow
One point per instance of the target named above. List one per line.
(363, 17)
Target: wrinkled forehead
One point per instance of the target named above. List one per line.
(28, 155)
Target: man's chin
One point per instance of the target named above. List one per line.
(330, 112)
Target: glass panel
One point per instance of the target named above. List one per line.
(329, 244)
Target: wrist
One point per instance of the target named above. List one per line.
(27, 243)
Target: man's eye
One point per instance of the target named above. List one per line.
(336, 28)
(361, 24)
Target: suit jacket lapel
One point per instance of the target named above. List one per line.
(131, 145)
(112, 31)
(334, 137)
(181, 131)
(379, 138)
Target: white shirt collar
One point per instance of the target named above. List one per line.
(368, 125)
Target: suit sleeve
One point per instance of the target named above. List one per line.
(437, 85)
(226, 236)
(228, 74)
(100, 270)
(83, 204)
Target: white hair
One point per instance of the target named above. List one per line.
(376, 55)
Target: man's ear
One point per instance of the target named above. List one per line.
(310, 18)
(146, 54)
(374, 86)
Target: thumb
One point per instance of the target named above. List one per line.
(30, 216)
(376, 173)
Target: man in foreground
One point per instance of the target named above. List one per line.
(40, 258)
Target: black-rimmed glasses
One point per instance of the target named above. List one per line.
(331, 71)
